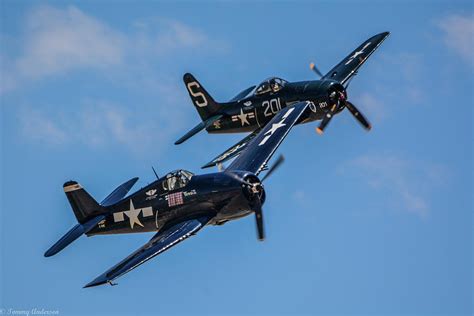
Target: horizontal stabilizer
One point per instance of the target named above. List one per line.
(72, 235)
(119, 192)
(203, 125)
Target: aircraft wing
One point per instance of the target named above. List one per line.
(349, 65)
(163, 240)
(232, 151)
(260, 149)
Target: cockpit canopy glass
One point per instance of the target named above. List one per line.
(273, 85)
(176, 179)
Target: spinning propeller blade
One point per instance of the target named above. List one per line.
(274, 167)
(358, 115)
(259, 219)
(255, 200)
(327, 118)
(342, 102)
(313, 67)
(258, 204)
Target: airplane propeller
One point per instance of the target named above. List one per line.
(358, 115)
(313, 67)
(256, 193)
(275, 166)
(257, 208)
(326, 119)
(340, 103)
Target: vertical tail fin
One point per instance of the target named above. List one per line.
(204, 103)
(83, 205)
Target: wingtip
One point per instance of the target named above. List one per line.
(96, 282)
(382, 35)
(181, 140)
(51, 251)
(319, 131)
(311, 65)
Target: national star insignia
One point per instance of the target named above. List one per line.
(243, 117)
(133, 215)
(275, 126)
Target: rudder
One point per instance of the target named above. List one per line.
(84, 206)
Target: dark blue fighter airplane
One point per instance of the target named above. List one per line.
(181, 203)
(255, 106)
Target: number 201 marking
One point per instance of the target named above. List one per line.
(271, 107)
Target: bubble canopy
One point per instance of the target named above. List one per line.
(177, 179)
(272, 84)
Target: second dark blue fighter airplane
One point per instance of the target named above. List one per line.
(255, 106)
(179, 204)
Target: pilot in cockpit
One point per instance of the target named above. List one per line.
(171, 182)
(275, 87)
(177, 179)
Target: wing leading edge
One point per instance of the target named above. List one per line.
(261, 148)
(349, 65)
(160, 242)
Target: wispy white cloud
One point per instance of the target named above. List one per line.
(407, 69)
(164, 36)
(56, 41)
(408, 183)
(458, 35)
(96, 124)
(41, 128)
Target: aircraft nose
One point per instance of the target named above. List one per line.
(312, 86)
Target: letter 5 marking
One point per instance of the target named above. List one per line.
(200, 100)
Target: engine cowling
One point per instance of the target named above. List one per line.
(253, 188)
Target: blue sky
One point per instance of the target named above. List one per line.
(375, 223)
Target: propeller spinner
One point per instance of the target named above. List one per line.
(341, 102)
(256, 194)
(339, 97)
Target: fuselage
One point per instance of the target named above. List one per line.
(154, 206)
(257, 110)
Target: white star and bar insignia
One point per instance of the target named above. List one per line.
(132, 214)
